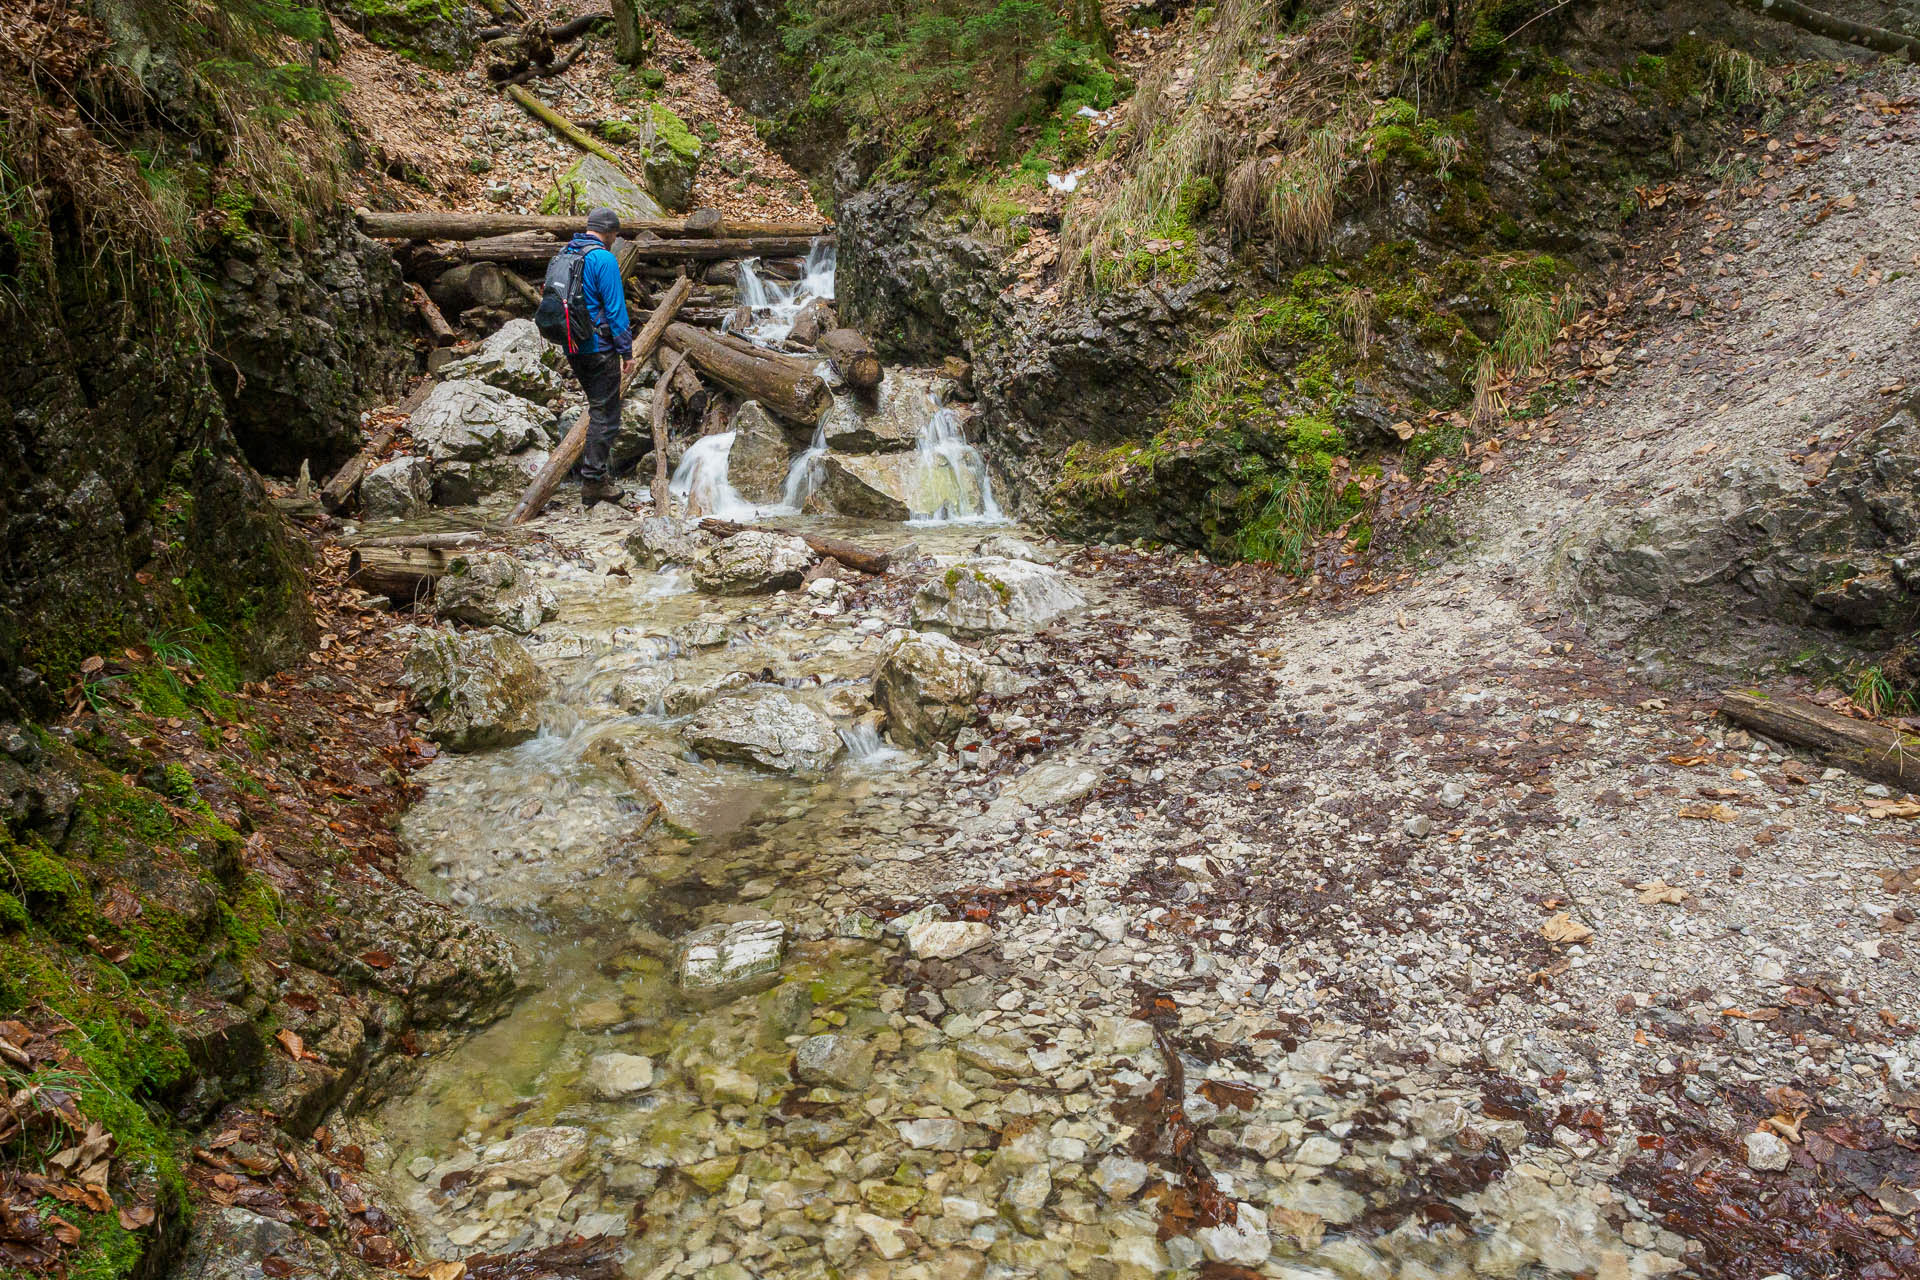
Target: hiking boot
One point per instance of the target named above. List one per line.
(600, 491)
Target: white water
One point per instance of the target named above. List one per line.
(806, 473)
(700, 481)
(950, 480)
(776, 304)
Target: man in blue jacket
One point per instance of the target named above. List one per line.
(603, 363)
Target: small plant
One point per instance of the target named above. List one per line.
(1875, 694)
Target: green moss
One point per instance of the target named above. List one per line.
(251, 915)
(672, 132)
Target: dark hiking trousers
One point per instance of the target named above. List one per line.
(599, 374)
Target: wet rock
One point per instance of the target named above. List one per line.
(839, 1062)
(945, 939)
(480, 689)
(619, 1075)
(661, 541)
(1242, 1242)
(933, 1133)
(890, 424)
(685, 792)
(986, 595)
(1024, 1201)
(593, 183)
(529, 1156)
(722, 958)
(768, 730)
(752, 563)
(702, 633)
(1768, 1151)
(641, 692)
(397, 489)
(1003, 547)
(517, 359)
(866, 488)
(688, 697)
(492, 589)
(231, 1243)
(466, 421)
(928, 687)
(758, 459)
(1002, 1055)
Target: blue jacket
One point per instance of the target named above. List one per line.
(606, 296)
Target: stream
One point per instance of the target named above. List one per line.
(717, 1058)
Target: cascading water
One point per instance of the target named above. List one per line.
(806, 473)
(700, 481)
(950, 481)
(775, 304)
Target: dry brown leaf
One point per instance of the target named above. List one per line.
(1658, 890)
(1560, 927)
(290, 1041)
(1715, 812)
(134, 1217)
(1895, 809)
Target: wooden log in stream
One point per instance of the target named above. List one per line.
(402, 574)
(852, 357)
(570, 448)
(1876, 750)
(850, 554)
(430, 315)
(662, 397)
(787, 386)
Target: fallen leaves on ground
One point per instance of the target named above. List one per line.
(1658, 890)
(1714, 812)
(1895, 809)
(1561, 927)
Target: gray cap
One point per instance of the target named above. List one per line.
(604, 220)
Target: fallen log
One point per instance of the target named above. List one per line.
(781, 383)
(1875, 750)
(402, 574)
(570, 448)
(481, 284)
(852, 357)
(524, 248)
(566, 128)
(684, 381)
(339, 488)
(432, 225)
(662, 396)
(1833, 27)
(850, 554)
(430, 315)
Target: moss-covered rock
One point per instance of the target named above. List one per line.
(673, 157)
(439, 33)
(592, 183)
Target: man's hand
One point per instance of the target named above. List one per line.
(626, 370)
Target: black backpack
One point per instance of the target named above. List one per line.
(562, 317)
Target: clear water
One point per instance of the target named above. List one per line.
(775, 303)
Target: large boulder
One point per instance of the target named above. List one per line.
(768, 730)
(461, 484)
(492, 589)
(467, 421)
(758, 460)
(440, 33)
(673, 157)
(592, 183)
(688, 793)
(480, 689)
(516, 358)
(752, 563)
(901, 407)
(397, 489)
(866, 488)
(661, 541)
(987, 594)
(927, 685)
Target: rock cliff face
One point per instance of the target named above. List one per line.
(304, 340)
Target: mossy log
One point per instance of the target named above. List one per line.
(562, 126)
(432, 225)
(1821, 23)
(571, 447)
(1875, 750)
(785, 385)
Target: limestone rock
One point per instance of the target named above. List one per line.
(462, 484)
(229, 1243)
(466, 421)
(757, 461)
(1003, 547)
(1768, 1152)
(673, 157)
(1242, 1242)
(986, 594)
(933, 1133)
(890, 425)
(481, 689)
(516, 358)
(619, 1075)
(1118, 1176)
(722, 958)
(866, 488)
(769, 730)
(927, 685)
(435, 32)
(752, 563)
(1024, 1201)
(397, 489)
(529, 1156)
(661, 541)
(592, 183)
(492, 589)
(702, 633)
(839, 1062)
(640, 692)
(688, 697)
(945, 939)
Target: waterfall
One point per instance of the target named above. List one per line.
(700, 481)
(804, 476)
(866, 748)
(950, 481)
(775, 304)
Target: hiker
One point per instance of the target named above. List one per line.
(599, 344)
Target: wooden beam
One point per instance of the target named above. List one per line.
(1876, 750)
(786, 385)
(438, 225)
(336, 492)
